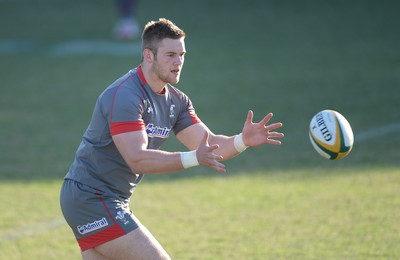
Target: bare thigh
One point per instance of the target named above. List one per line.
(137, 244)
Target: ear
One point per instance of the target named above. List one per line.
(148, 55)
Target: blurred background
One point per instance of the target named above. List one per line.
(292, 58)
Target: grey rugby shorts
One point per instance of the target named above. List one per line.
(95, 216)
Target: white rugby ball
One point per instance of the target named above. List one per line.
(331, 135)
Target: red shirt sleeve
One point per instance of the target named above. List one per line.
(124, 127)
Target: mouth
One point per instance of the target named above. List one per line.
(176, 72)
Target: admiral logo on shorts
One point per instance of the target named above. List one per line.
(89, 227)
(156, 131)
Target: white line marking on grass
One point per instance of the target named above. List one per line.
(17, 234)
(8, 47)
(84, 47)
(96, 47)
(377, 132)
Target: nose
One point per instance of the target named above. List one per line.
(179, 60)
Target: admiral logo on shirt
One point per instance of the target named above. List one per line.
(157, 131)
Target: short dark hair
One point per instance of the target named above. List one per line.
(155, 31)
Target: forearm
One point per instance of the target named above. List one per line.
(133, 148)
(154, 161)
(227, 148)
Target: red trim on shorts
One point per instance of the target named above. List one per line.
(100, 237)
(124, 127)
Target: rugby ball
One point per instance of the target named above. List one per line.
(331, 135)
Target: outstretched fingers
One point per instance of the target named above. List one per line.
(213, 160)
(273, 126)
(271, 136)
(266, 119)
(268, 130)
(249, 118)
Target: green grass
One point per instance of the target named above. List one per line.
(313, 214)
(293, 58)
(295, 214)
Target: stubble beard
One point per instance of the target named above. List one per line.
(164, 76)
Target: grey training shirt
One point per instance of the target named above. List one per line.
(128, 104)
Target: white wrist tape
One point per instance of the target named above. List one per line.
(189, 159)
(239, 144)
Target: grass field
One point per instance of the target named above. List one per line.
(293, 58)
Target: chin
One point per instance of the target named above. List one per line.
(174, 81)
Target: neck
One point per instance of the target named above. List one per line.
(157, 85)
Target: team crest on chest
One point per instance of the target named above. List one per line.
(172, 111)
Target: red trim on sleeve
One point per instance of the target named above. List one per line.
(124, 127)
(100, 237)
(195, 118)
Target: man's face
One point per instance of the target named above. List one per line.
(168, 62)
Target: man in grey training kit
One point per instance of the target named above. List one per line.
(131, 119)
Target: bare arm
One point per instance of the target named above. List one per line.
(210, 148)
(192, 136)
(253, 134)
(133, 148)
